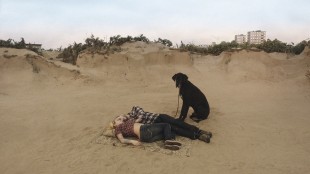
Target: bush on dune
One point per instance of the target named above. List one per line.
(268, 46)
(96, 45)
(71, 53)
(10, 43)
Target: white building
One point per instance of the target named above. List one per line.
(256, 37)
(240, 39)
(203, 46)
(36, 46)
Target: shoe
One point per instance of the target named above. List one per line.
(204, 137)
(172, 147)
(206, 133)
(172, 142)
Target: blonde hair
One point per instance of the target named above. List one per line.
(109, 130)
(112, 123)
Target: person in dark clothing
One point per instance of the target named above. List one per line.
(177, 126)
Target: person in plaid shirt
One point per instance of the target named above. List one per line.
(177, 126)
(141, 116)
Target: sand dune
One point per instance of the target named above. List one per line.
(52, 114)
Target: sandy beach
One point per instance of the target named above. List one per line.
(52, 113)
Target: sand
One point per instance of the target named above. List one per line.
(52, 114)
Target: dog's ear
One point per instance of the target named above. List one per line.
(177, 81)
(174, 77)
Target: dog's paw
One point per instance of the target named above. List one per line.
(195, 119)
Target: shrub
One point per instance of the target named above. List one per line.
(268, 46)
(273, 46)
(299, 47)
(165, 42)
(214, 49)
(141, 38)
(118, 40)
(96, 45)
(71, 53)
(10, 43)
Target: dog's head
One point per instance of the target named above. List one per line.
(179, 78)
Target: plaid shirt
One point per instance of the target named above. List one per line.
(139, 113)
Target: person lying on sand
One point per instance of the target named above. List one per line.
(127, 127)
(177, 126)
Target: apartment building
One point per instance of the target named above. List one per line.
(240, 39)
(256, 37)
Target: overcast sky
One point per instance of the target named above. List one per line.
(56, 23)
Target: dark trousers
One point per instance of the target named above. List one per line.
(179, 127)
(157, 131)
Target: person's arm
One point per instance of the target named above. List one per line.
(137, 113)
(128, 116)
(134, 112)
(127, 141)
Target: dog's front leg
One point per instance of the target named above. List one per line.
(184, 111)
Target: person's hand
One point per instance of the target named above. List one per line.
(136, 143)
(139, 116)
(127, 116)
(138, 120)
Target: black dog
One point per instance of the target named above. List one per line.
(192, 97)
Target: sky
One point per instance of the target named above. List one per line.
(56, 23)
